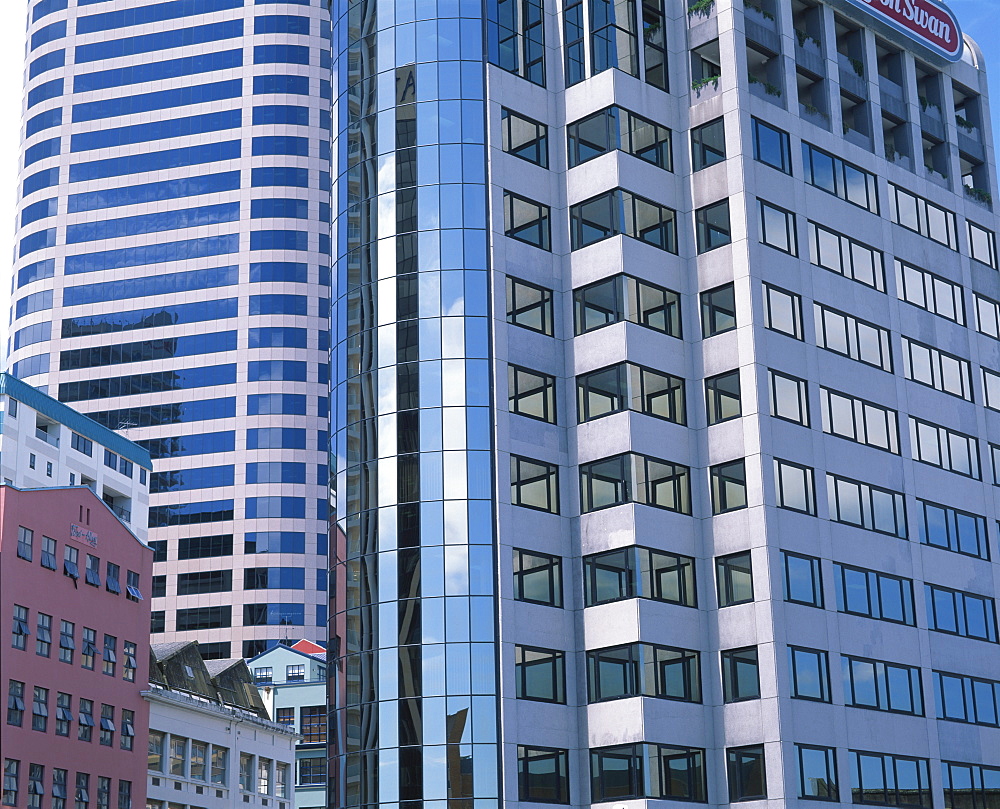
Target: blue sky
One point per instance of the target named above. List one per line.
(980, 19)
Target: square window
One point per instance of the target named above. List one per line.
(817, 773)
(740, 675)
(803, 579)
(734, 579)
(745, 770)
(789, 398)
(729, 487)
(708, 144)
(809, 672)
(712, 226)
(722, 397)
(542, 775)
(540, 674)
(718, 310)
(537, 578)
(795, 487)
(534, 484)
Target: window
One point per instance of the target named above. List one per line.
(958, 613)
(948, 528)
(36, 785)
(312, 771)
(40, 709)
(633, 478)
(674, 773)
(734, 579)
(124, 795)
(729, 486)
(295, 673)
(49, 553)
(107, 735)
(937, 369)
(776, 228)
(882, 686)
(71, 559)
(888, 780)
(82, 790)
(132, 592)
(281, 780)
(20, 631)
(89, 650)
(840, 178)
(81, 444)
(85, 728)
(817, 773)
(620, 212)
(58, 788)
(25, 543)
(803, 579)
(541, 674)
(111, 580)
(783, 311)
(529, 306)
(285, 716)
(969, 785)
(524, 138)
(129, 664)
(11, 769)
(43, 635)
(847, 335)
(718, 310)
(745, 770)
(722, 397)
(103, 792)
(740, 676)
(923, 217)
(794, 487)
(623, 298)
(128, 729)
(630, 387)
(712, 226)
(538, 578)
(15, 703)
(991, 389)
(517, 40)
(982, 244)
(220, 763)
(617, 128)
(534, 484)
(809, 671)
(531, 394)
(110, 654)
(867, 506)
(526, 220)
(708, 144)
(542, 775)
(859, 420)
(947, 449)
(874, 595)
(789, 397)
(771, 146)
(312, 723)
(643, 670)
(961, 698)
(930, 292)
(246, 772)
(92, 574)
(264, 776)
(636, 572)
(155, 751)
(843, 255)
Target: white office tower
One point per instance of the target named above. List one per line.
(172, 282)
(666, 372)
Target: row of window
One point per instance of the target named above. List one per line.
(62, 712)
(71, 554)
(312, 718)
(18, 776)
(254, 578)
(220, 617)
(187, 758)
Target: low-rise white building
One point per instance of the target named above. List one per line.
(211, 742)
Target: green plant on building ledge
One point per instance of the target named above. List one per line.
(814, 110)
(803, 37)
(701, 7)
(964, 123)
(770, 89)
(858, 65)
(979, 194)
(699, 84)
(767, 15)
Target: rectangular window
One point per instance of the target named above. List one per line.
(859, 420)
(128, 729)
(961, 698)
(312, 723)
(851, 337)
(795, 487)
(617, 128)
(740, 676)
(103, 792)
(524, 138)
(112, 579)
(85, 728)
(930, 292)
(48, 553)
(534, 484)
(817, 773)
(531, 394)
(25, 543)
(789, 397)
(624, 298)
(991, 389)
(155, 751)
(529, 306)
(89, 650)
(930, 366)
(71, 559)
(955, 612)
(708, 144)
(729, 487)
(132, 592)
(312, 771)
(620, 212)
(285, 716)
(923, 217)
(107, 735)
(734, 579)
(843, 255)
(643, 670)
(40, 709)
(20, 631)
(11, 768)
(295, 673)
(776, 228)
(633, 478)
(82, 790)
(124, 795)
(954, 530)
(675, 773)
(15, 703)
(199, 758)
(712, 226)
(809, 671)
(636, 572)
(92, 574)
(630, 387)
(129, 664)
(946, 449)
(110, 654)
(542, 775)
(246, 772)
(264, 776)
(538, 578)
(840, 178)
(745, 770)
(722, 397)
(969, 785)
(987, 316)
(220, 762)
(865, 505)
(803, 579)
(887, 780)
(874, 595)
(81, 444)
(527, 221)
(718, 310)
(517, 39)
(771, 146)
(540, 674)
(783, 311)
(59, 779)
(882, 686)
(982, 244)
(43, 635)
(36, 785)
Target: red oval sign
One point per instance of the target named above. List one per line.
(927, 21)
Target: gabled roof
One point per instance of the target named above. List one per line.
(282, 648)
(309, 648)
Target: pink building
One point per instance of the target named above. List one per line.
(76, 657)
